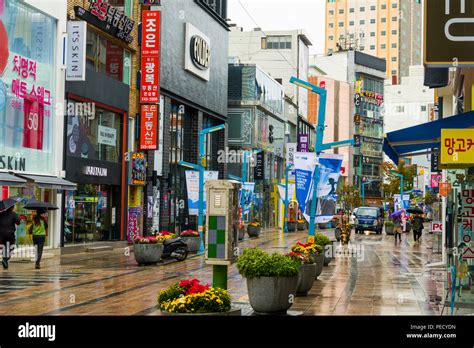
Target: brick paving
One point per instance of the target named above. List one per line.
(379, 279)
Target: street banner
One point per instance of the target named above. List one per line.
(248, 192)
(192, 185)
(150, 53)
(329, 173)
(291, 192)
(436, 178)
(467, 200)
(398, 204)
(305, 164)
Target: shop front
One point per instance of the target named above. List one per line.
(29, 158)
(94, 161)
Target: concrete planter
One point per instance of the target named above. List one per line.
(301, 226)
(193, 243)
(270, 295)
(232, 312)
(253, 231)
(291, 226)
(389, 229)
(241, 234)
(147, 253)
(319, 264)
(306, 277)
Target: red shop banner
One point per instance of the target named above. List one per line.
(149, 127)
(150, 52)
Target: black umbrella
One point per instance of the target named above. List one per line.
(415, 211)
(8, 203)
(33, 204)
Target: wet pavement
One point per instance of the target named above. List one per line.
(372, 276)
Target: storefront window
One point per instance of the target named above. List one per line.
(105, 57)
(27, 89)
(95, 137)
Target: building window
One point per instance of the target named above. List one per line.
(331, 12)
(394, 72)
(383, 33)
(394, 32)
(394, 59)
(341, 24)
(423, 108)
(351, 23)
(400, 108)
(384, 7)
(341, 11)
(372, 33)
(383, 46)
(330, 51)
(372, 21)
(394, 19)
(331, 25)
(373, 8)
(362, 9)
(383, 20)
(105, 57)
(331, 38)
(362, 48)
(394, 5)
(362, 22)
(279, 42)
(394, 45)
(351, 10)
(372, 47)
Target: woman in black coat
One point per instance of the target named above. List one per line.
(8, 222)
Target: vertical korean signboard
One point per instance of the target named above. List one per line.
(76, 51)
(150, 65)
(467, 221)
(149, 127)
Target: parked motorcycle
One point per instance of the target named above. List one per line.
(175, 248)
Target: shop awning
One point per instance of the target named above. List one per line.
(11, 180)
(50, 182)
(410, 141)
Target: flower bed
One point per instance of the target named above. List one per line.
(190, 296)
(192, 239)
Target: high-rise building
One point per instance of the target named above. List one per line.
(389, 29)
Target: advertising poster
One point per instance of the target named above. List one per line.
(133, 224)
(329, 173)
(435, 180)
(192, 185)
(291, 192)
(248, 192)
(305, 164)
(398, 204)
(138, 167)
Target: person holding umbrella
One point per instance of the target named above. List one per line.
(8, 222)
(397, 222)
(38, 229)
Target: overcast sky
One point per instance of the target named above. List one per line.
(284, 15)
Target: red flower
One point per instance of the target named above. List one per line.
(165, 233)
(193, 286)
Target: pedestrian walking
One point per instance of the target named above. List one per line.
(38, 229)
(397, 222)
(417, 227)
(8, 222)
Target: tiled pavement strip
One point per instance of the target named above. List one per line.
(386, 280)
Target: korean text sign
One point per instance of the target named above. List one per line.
(149, 127)
(467, 221)
(457, 146)
(150, 78)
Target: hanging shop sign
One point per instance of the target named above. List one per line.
(107, 136)
(259, 171)
(76, 51)
(150, 53)
(435, 160)
(357, 140)
(371, 140)
(457, 146)
(95, 171)
(367, 160)
(107, 18)
(197, 52)
(303, 142)
(138, 169)
(435, 180)
(467, 198)
(356, 119)
(149, 127)
(448, 40)
(290, 153)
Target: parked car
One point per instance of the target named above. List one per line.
(368, 219)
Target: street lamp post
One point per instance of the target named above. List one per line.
(285, 224)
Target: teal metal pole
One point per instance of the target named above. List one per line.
(285, 224)
(244, 179)
(201, 192)
(219, 276)
(401, 191)
(363, 194)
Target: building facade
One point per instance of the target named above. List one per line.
(281, 54)
(31, 100)
(389, 29)
(365, 74)
(193, 98)
(257, 123)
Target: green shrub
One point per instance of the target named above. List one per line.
(321, 239)
(256, 263)
(171, 293)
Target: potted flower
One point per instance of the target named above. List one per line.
(389, 227)
(271, 279)
(147, 250)
(190, 297)
(192, 239)
(325, 242)
(306, 273)
(291, 225)
(254, 228)
(301, 224)
(313, 249)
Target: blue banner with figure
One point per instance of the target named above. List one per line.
(329, 173)
(248, 192)
(305, 164)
